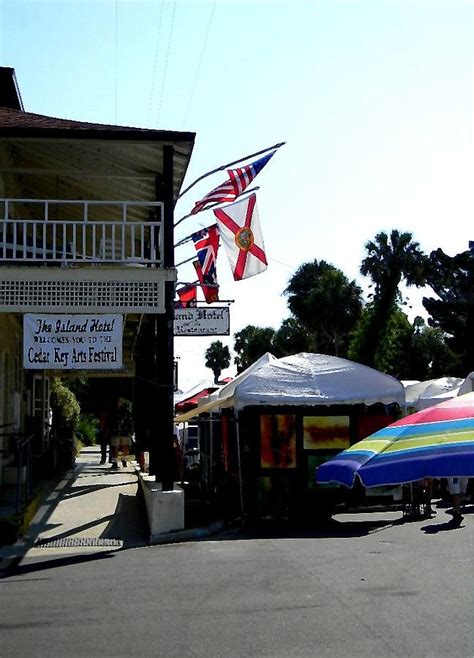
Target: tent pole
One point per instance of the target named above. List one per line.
(241, 493)
(211, 453)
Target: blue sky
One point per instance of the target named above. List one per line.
(373, 99)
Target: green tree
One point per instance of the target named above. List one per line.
(393, 355)
(430, 356)
(217, 358)
(326, 304)
(390, 259)
(290, 338)
(250, 344)
(452, 280)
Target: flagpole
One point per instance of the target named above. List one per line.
(190, 214)
(229, 164)
(197, 283)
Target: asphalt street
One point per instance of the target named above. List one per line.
(369, 584)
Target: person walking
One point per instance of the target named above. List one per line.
(103, 437)
(121, 428)
(457, 487)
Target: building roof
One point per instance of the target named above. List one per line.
(9, 91)
(61, 158)
(36, 124)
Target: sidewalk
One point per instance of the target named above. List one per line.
(91, 509)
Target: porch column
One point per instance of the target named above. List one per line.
(161, 452)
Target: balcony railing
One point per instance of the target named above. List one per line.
(86, 232)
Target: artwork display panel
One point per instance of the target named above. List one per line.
(326, 432)
(277, 441)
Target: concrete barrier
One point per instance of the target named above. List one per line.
(165, 509)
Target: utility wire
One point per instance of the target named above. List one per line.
(152, 90)
(116, 62)
(198, 69)
(165, 71)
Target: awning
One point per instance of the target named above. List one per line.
(190, 403)
(213, 405)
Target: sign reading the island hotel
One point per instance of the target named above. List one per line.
(201, 321)
(72, 342)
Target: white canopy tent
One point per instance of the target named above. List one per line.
(317, 379)
(224, 396)
(432, 391)
(304, 379)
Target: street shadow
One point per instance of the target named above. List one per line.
(77, 491)
(330, 528)
(18, 569)
(441, 527)
(74, 531)
(434, 529)
(129, 522)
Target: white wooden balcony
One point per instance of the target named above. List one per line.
(78, 256)
(46, 231)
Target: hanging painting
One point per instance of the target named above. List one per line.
(278, 441)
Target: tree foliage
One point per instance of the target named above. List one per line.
(326, 304)
(430, 355)
(250, 344)
(217, 358)
(393, 354)
(452, 280)
(290, 338)
(390, 259)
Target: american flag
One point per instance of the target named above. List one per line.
(239, 180)
(206, 242)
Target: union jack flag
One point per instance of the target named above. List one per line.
(210, 291)
(239, 180)
(206, 242)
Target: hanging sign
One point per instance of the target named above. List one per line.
(202, 321)
(72, 342)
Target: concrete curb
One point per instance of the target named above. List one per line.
(191, 534)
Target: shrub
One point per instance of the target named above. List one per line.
(87, 429)
(65, 407)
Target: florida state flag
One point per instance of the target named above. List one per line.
(239, 227)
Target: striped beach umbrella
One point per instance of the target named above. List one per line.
(436, 442)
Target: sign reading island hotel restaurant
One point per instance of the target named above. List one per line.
(72, 342)
(201, 321)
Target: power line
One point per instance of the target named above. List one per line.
(116, 62)
(166, 65)
(152, 91)
(279, 262)
(198, 68)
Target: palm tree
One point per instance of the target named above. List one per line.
(326, 304)
(217, 358)
(390, 259)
